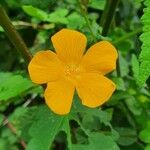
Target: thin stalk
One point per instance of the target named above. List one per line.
(118, 67)
(14, 131)
(108, 15)
(14, 36)
(128, 35)
(83, 11)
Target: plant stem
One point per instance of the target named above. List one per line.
(106, 20)
(14, 131)
(118, 67)
(14, 36)
(108, 15)
(128, 35)
(83, 11)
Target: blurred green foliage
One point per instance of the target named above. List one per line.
(122, 123)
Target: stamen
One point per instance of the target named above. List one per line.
(72, 70)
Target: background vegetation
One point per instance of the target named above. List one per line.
(122, 123)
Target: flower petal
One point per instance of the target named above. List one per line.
(100, 57)
(45, 67)
(94, 89)
(69, 45)
(59, 96)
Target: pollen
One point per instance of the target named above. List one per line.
(72, 72)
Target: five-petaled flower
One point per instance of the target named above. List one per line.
(69, 69)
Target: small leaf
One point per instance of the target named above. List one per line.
(75, 21)
(119, 83)
(1, 29)
(97, 4)
(35, 12)
(127, 136)
(58, 16)
(145, 135)
(134, 105)
(123, 65)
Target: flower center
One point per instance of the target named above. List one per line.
(72, 72)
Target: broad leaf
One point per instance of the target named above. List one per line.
(97, 141)
(144, 70)
(13, 85)
(45, 127)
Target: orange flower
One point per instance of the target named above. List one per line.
(68, 69)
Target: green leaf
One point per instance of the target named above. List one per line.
(13, 85)
(103, 116)
(97, 141)
(35, 12)
(147, 147)
(144, 72)
(1, 29)
(1, 118)
(22, 119)
(120, 83)
(90, 122)
(45, 127)
(58, 16)
(145, 135)
(118, 96)
(144, 58)
(81, 137)
(124, 46)
(35, 3)
(39, 3)
(137, 3)
(8, 140)
(97, 4)
(127, 136)
(123, 65)
(134, 105)
(75, 21)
